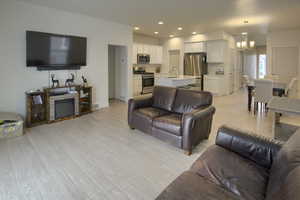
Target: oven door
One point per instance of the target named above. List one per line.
(148, 84)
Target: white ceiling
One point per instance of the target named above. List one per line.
(193, 15)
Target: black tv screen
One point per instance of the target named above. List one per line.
(53, 50)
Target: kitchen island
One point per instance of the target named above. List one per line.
(177, 81)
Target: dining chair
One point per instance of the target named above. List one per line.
(290, 86)
(263, 93)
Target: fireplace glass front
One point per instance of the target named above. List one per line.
(64, 108)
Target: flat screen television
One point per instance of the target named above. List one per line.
(49, 51)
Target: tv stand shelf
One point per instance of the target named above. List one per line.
(41, 108)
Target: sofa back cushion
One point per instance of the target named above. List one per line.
(187, 100)
(287, 162)
(163, 97)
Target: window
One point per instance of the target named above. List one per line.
(262, 63)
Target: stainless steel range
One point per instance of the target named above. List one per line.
(147, 81)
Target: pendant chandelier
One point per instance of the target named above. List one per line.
(244, 43)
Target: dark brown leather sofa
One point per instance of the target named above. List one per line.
(241, 166)
(178, 116)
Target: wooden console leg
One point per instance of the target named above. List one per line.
(188, 152)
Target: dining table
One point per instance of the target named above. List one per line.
(278, 89)
(280, 106)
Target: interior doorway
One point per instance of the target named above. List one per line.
(117, 72)
(174, 60)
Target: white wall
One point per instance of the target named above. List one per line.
(289, 38)
(250, 64)
(143, 39)
(17, 17)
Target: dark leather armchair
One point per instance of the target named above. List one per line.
(241, 166)
(178, 116)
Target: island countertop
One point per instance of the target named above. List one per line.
(176, 81)
(179, 77)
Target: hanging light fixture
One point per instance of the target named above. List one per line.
(252, 44)
(244, 44)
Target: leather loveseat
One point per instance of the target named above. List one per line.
(178, 116)
(241, 166)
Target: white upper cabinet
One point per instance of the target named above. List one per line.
(156, 57)
(195, 47)
(216, 51)
(140, 48)
(154, 51)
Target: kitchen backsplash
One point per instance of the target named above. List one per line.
(149, 68)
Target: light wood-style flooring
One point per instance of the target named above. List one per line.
(98, 157)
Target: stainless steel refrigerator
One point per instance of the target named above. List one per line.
(195, 65)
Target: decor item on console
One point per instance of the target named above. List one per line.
(55, 83)
(70, 81)
(179, 116)
(84, 80)
(241, 166)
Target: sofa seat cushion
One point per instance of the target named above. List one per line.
(237, 174)
(150, 112)
(170, 123)
(190, 186)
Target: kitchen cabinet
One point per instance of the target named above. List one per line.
(216, 51)
(156, 55)
(176, 81)
(155, 52)
(140, 48)
(137, 85)
(215, 85)
(195, 47)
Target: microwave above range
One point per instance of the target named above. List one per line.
(143, 59)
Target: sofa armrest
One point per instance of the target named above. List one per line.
(196, 126)
(138, 102)
(257, 148)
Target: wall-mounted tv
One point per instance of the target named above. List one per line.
(49, 51)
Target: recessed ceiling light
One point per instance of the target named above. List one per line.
(194, 33)
(156, 32)
(171, 35)
(136, 28)
(161, 22)
(244, 33)
(179, 28)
